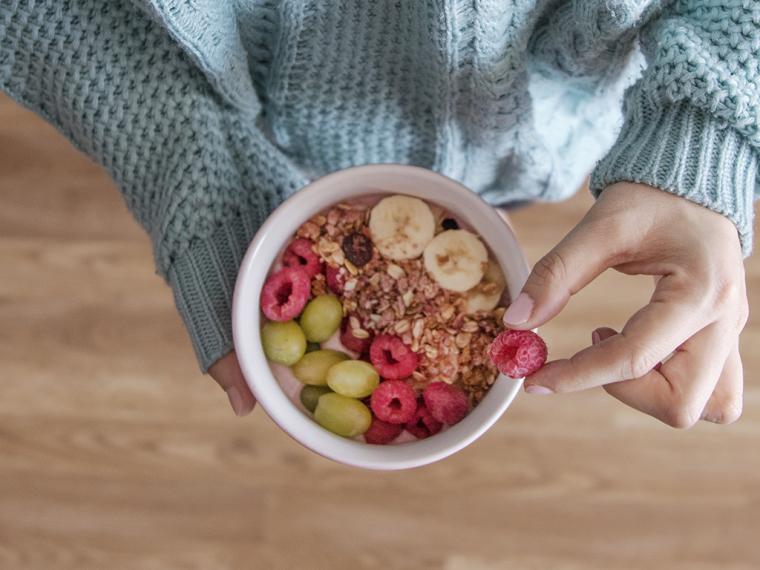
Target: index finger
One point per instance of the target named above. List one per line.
(651, 334)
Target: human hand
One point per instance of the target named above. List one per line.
(698, 308)
(226, 371)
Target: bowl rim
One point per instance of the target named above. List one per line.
(246, 315)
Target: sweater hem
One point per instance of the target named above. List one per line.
(203, 282)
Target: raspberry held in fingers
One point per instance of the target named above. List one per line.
(518, 353)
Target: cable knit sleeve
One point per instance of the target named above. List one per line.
(692, 122)
(195, 170)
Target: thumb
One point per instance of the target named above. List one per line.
(226, 371)
(580, 257)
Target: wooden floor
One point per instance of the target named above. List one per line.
(115, 453)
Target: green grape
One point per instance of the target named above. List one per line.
(310, 396)
(342, 415)
(313, 367)
(321, 318)
(284, 342)
(312, 346)
(353, 378)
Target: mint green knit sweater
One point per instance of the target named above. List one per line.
(207, 113)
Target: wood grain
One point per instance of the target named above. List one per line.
(116, 453)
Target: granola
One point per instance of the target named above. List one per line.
(398, 297)
(395, 291)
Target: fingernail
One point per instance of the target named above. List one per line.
(596, 338)
(519, 311)
(535, 389)
(236, 401)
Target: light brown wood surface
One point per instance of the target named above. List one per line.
(115, 453)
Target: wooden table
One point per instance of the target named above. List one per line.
(116, 453)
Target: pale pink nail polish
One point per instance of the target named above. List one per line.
(535, 389)
(519, 311)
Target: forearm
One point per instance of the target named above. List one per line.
(194, 171)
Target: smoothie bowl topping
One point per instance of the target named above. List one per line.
(379, 318)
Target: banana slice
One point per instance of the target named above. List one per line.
(401, 226)
(485, 296)
(457, 259)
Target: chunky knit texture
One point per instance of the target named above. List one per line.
(208, 113)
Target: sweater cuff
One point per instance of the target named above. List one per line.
(685, 151)
(203, 280)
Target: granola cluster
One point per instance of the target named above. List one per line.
(399, 298)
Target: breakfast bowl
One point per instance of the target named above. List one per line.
(413, 198)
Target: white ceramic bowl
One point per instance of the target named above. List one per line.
(268, 243)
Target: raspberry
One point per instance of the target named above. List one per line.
(392, 358)
(300, 253)
(358, 249)
(382, 433)
(423, 424)
(285, 293)
(447, 404)
(393, 401)
(347, 338)
(335, 278)
(518, 353)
